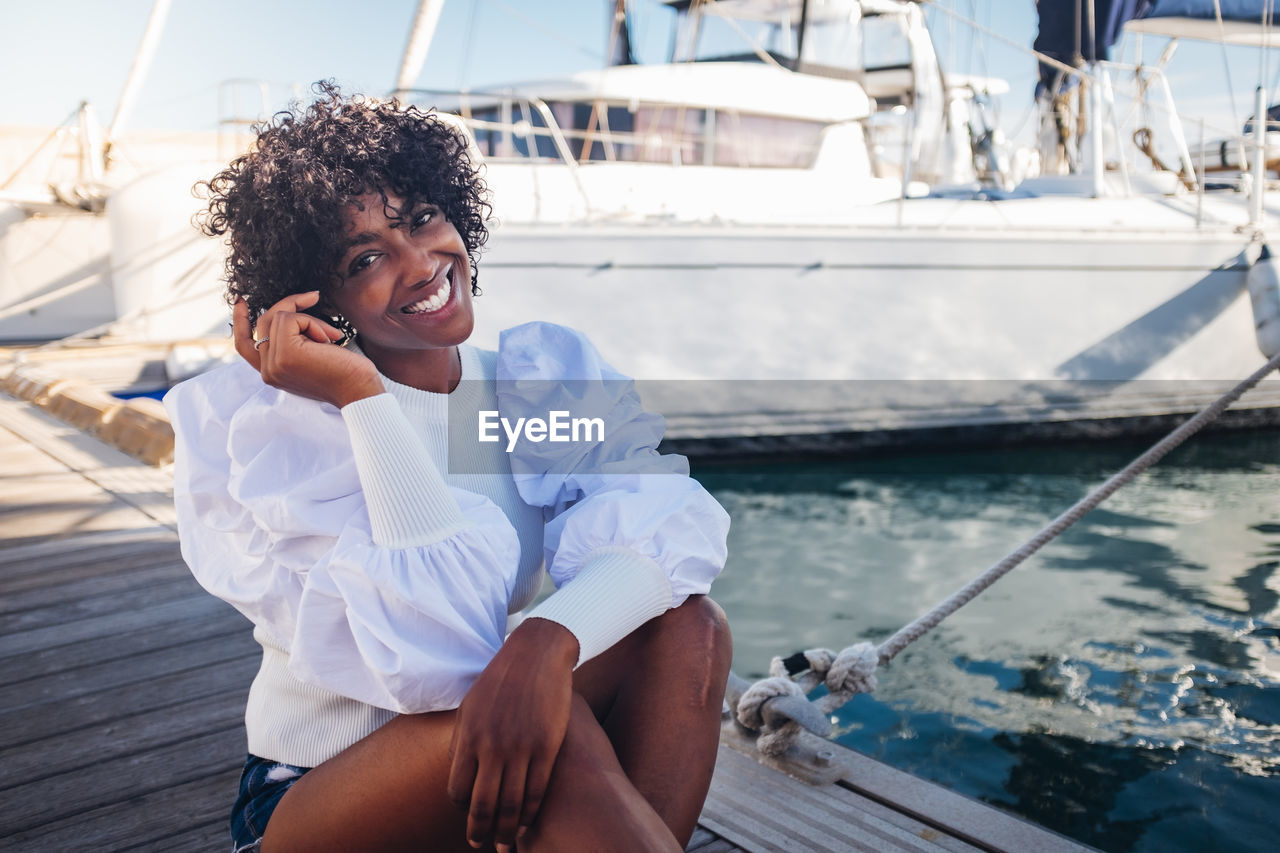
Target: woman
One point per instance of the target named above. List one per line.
(315, 492)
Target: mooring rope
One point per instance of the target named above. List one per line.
(852, 670)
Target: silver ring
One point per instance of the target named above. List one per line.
(260, 342)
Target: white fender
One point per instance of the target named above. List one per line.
(1264, 291)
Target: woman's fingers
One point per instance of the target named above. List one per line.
(292, 350)
(462, 778)
(535, 788)
(316, 329)
(242, 333)
(510, 805)
(295, 302)
(247, 341)
(484, 803)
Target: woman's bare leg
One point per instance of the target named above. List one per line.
(636, 780)
(658, 695)
(388, 793)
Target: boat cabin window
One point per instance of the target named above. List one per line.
(649, 133)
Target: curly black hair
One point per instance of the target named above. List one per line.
(282, 203)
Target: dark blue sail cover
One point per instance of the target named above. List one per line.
(1064, 24)
(1232, 10)
(1064, 30)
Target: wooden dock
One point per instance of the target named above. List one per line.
(123, 686)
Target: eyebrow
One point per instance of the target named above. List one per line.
(361, 238)
(357, 240)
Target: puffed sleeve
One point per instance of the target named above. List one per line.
(336, 535)
(630, 534)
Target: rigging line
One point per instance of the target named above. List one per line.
(904, 637)
(468, 44)
(714, 7)
(852, 671)
(1231, 89)
(1265, 23)
(978, 44)
(36, 151)
(987, 31)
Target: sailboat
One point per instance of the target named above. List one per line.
(768, 205)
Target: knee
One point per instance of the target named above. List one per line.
(697, 628)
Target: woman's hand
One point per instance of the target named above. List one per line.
(294, 352)
(509, 730)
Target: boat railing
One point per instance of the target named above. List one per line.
(506, 137)
(514, 127)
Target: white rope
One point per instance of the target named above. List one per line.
(852, 670)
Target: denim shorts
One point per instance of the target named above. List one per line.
(262, 784)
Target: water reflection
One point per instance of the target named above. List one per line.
(1122, 687)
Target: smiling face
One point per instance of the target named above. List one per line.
(406, 288)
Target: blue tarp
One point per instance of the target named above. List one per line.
(1232, 10)
(1064, 29)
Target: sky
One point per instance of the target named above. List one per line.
(55, 53)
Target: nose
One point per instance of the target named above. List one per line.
(422, 266)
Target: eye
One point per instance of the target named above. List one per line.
(361, 263)
(423, 217)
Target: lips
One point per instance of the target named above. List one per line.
(435, 301)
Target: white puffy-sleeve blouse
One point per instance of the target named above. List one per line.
(374, 579)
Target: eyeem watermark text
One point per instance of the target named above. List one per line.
(557, 427)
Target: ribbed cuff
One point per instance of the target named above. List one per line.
(409, 502)
(616, 591)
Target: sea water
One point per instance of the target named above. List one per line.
(1121, 687)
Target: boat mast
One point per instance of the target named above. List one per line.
(415, 50)
(1095, 108)
(804, 20)
(137, 74)
(1259, 155)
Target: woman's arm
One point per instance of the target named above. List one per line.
(630, 535)
(333, 532)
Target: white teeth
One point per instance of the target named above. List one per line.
(432, 303)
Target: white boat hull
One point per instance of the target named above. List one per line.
(882, 303)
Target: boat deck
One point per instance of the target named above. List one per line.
(123, 684)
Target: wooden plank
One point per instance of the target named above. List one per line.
(215, 835)
(74, 449)
(92, 587)
(124, 645)
(76, 608)
(90, 516)
(85, 565)
(29, 806)
(95, 460)
(31, 549)
(75, 708)
(200, 803)
(700, 837)
(751, 804)
(193, 606)
(74, 555)
(124, 670)
(716, 845)
(706, 841)
(953, 813)
(122, 735)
